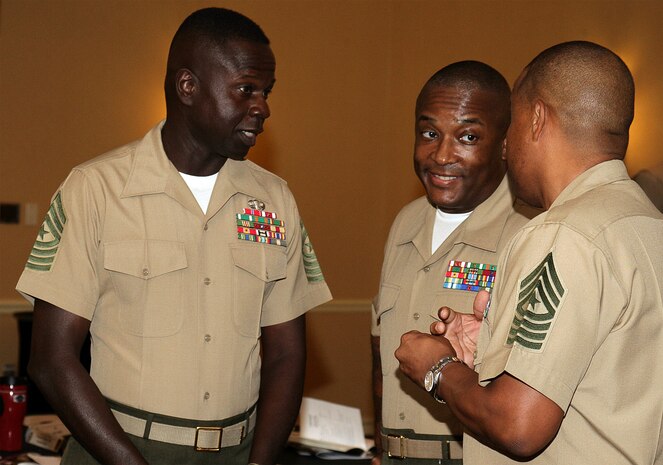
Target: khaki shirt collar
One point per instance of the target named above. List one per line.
(606, 172)
(482, 229)
(153, 173)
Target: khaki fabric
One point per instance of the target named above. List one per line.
(176, 300)
(578, 316)
(411, 293)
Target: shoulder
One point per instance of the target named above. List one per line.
(263, 175)
(591, 213)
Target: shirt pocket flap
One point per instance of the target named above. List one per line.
(387, 298)
(267, 263)
(144, 259)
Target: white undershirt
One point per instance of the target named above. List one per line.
(201, 187)
(445, 224)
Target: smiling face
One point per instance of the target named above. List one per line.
(458, 146)
(230, 105)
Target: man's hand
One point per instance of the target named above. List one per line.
(462, 330)
(418, 352)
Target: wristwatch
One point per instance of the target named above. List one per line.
(433, 376)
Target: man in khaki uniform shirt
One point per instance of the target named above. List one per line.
(570, 354)
(462, 114)
(180, 291)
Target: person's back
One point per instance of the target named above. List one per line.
(606, 237)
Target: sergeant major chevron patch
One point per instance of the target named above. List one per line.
(539, 298)
(43, 252)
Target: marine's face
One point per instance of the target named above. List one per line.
(231, 105)
(458, 145)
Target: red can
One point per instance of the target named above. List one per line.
(13, 402)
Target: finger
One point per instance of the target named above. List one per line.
(438, 328)
(481, 303)
(446, 314)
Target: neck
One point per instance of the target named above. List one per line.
(186, 153)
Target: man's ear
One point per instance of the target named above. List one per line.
(539, 119)
(186, 85)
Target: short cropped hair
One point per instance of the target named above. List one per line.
(470, 75)
(589, 86)
(219, 25)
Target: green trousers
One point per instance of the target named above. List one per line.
(161, 453)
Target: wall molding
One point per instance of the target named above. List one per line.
(335, 306)
(344, 305)
(7, 307)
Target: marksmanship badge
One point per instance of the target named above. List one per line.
(539, 298)
(46, 246)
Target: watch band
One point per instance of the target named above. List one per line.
(437, 374)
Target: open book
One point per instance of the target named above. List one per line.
(326, 428)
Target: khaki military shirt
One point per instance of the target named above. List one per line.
(577, 315)
(176, 298)
(412, 291)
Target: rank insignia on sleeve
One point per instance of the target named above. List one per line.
(261, 226)
(46, 246)
(311, 265)
(539, 297)
(469, 276)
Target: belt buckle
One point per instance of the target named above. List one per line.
(401, 444)
(208, 428)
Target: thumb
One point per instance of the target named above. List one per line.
(481, 304)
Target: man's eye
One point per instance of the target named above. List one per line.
(246, 89)
(430, 135)
(266, 92)
(469, 138)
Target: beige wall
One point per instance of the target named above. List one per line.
(80, 77)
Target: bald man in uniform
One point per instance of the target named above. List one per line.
(191, 268)
(442, 248)
(569, 363)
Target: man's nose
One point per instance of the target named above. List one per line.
(444, 152)
(260, 108)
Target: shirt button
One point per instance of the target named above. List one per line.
(146, 271)
(206, 396)
(426, 269)
(416, 316)
(205, 227)
(207, 281)
(401, 416)
(208, 338)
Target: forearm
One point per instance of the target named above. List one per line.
(79, 403)
(57, 338)
(506, 414)
(281, 388)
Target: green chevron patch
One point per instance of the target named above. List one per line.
(538, 300)
(311, 265)
(43, 252)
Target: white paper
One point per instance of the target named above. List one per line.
(331, 423)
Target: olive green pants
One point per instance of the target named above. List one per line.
(161, 453)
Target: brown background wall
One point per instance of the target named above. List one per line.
(80, 77)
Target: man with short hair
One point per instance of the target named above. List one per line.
(569, 362)
(442, 248)
(191, 269)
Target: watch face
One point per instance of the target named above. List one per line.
(428, 381)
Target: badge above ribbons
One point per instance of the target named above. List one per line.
(46, 246)
(539, 298)
(257, 225)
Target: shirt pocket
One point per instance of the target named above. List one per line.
(148, 280)
(256, 270)
(390, 333)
